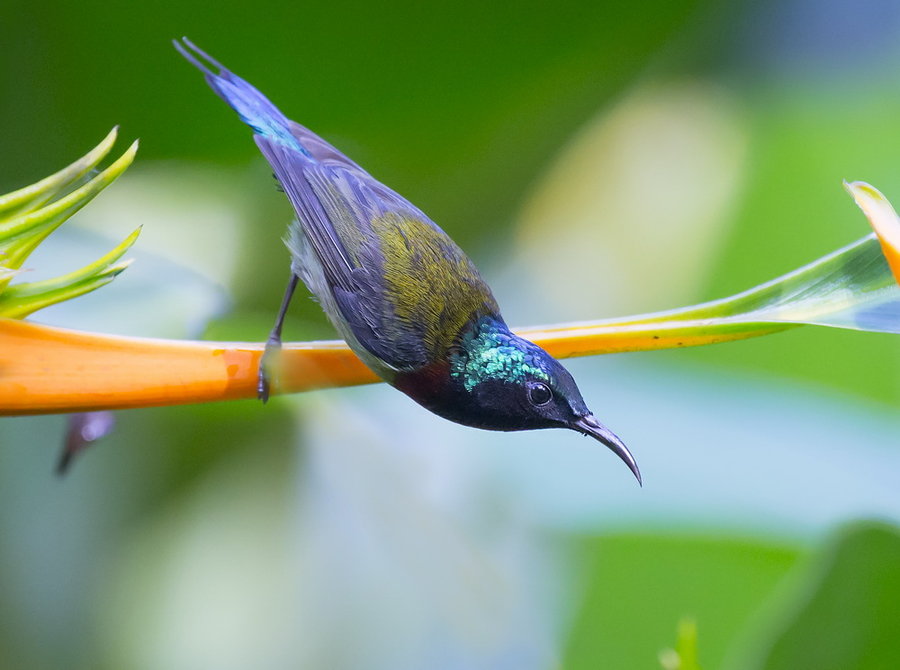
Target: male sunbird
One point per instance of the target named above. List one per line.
(402, 294)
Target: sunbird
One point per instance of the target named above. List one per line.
(404, 296)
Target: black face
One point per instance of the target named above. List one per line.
(551, 400)
(548, 400)
(515, 386)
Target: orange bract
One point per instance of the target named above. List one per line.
(883, 218)
(45, 370)
(891, 249)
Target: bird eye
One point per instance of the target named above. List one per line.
(539, 394)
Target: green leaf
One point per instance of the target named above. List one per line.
(636, 585)
(849, 610)
(684, 655)
(850, 288)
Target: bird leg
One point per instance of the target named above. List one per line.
(273, 344)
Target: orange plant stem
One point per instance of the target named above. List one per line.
(45, 370)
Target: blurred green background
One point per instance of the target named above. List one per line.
(596, 159)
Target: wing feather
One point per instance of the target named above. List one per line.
(392, 281)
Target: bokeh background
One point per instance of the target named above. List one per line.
(596, 159)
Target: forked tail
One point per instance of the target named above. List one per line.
(253, 107)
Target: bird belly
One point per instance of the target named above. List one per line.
(306, 265)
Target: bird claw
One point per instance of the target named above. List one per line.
(263, 384)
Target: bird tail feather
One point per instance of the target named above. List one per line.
(253, 107)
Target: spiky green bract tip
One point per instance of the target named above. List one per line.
(29, 215)
(34, 195)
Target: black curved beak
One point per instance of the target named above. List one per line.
(588, 425)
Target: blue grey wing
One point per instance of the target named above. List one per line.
(357, 184)
(335, 202)
(291, 169)
(322, 151)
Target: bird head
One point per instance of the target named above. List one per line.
(500, 381)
